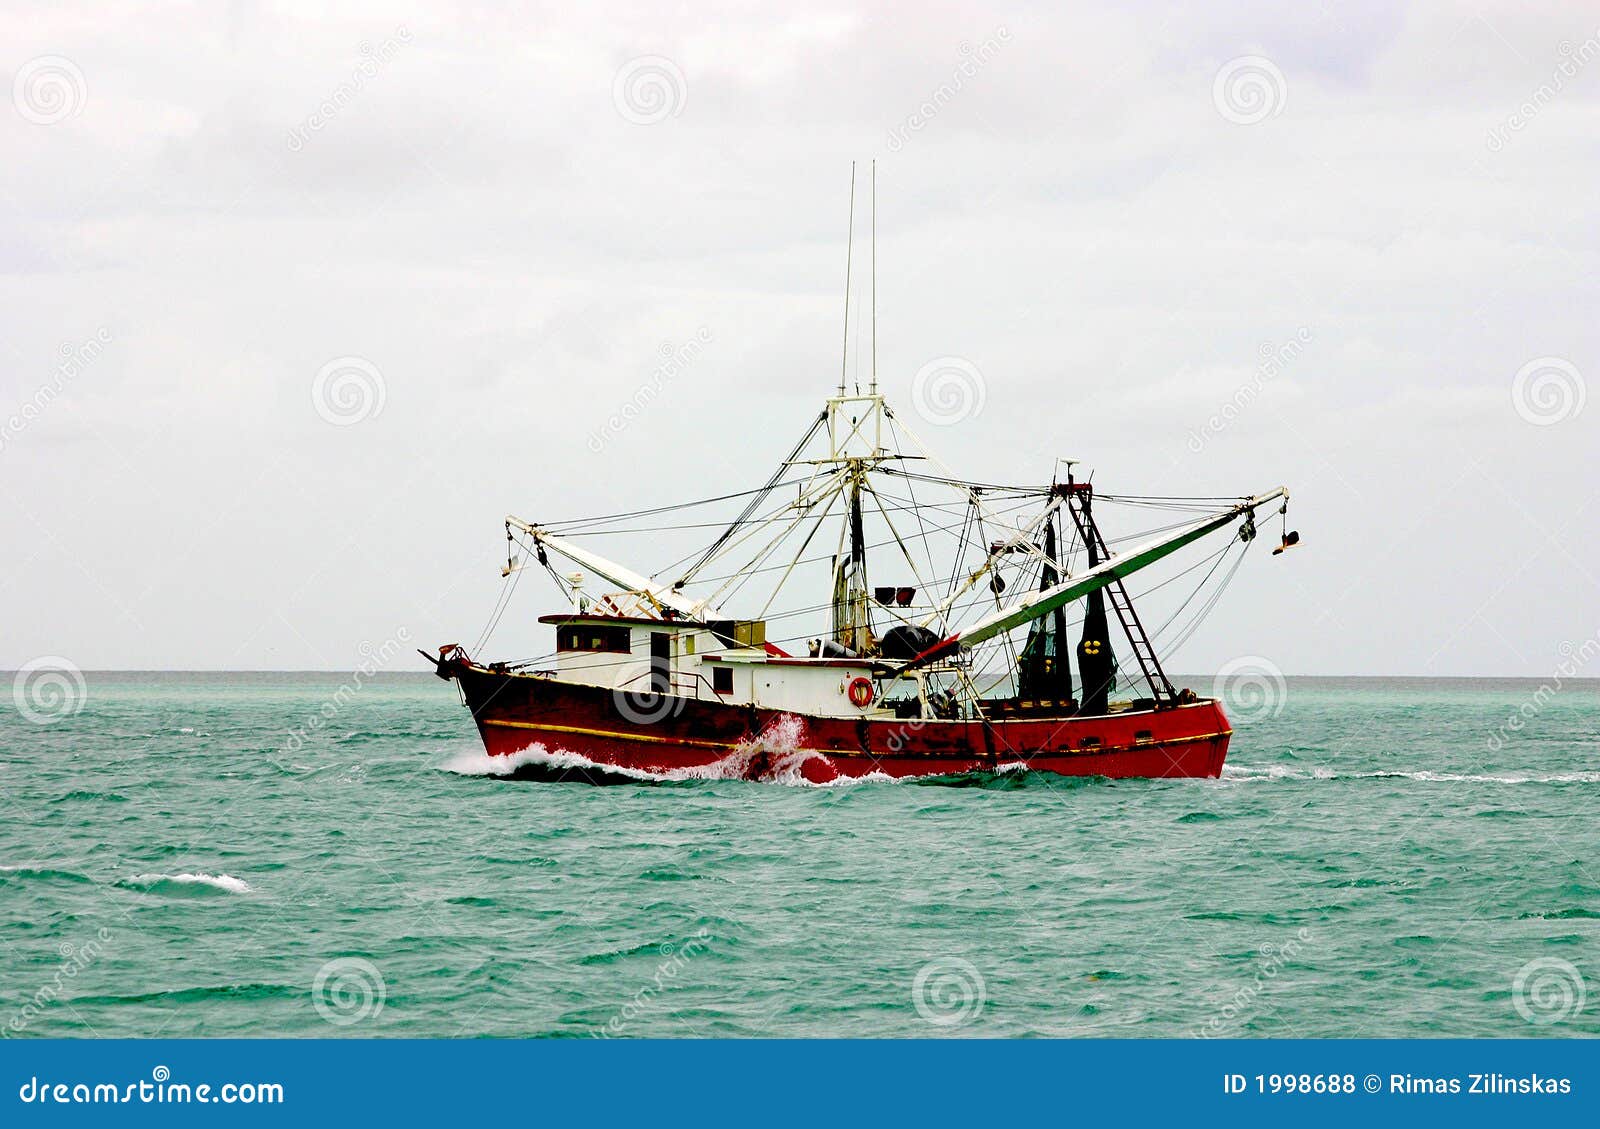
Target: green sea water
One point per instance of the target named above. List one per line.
(186, 855)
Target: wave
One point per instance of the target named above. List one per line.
(1245, 773)
(254, 991)
(44, 873)
(785, 767)
(479, 763)
(779, 745)
(186, 885)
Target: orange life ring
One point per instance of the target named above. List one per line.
(860, 692)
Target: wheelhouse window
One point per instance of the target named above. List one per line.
(594, 637)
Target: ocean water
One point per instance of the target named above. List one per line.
(187, 855)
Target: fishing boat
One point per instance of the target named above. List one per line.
(864, 611)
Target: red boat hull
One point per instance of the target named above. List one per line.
(541, 721)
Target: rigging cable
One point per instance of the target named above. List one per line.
(754, 502)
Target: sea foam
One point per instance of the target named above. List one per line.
(781, 743)
(187, 883)
(1247, 773)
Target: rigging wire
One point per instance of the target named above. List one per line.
(1206, 609)
(581, 521)
(772, 483)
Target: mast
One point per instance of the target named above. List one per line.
(1044, 672)
(855, 442)
(852, 613)
(1079, 497)
(849, 247)
(874, 388)
(1097, 666)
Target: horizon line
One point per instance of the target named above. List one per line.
(373, 674)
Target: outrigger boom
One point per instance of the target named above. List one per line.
(1075, 588)
(660, 594)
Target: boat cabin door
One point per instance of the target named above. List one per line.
(661, 661)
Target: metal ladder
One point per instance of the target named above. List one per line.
(1144, 651)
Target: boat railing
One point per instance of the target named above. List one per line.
(682, 683)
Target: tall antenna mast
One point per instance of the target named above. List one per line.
(844, 360)
(874, 276)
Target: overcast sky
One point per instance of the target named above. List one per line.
(295, 305)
